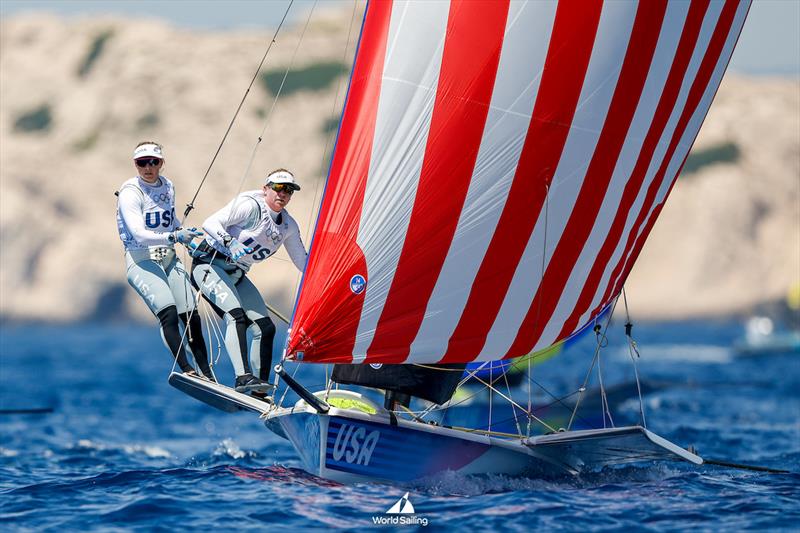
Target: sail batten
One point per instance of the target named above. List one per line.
(488, 196)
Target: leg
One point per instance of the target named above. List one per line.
(236, 340)
(197, 343)
(150, 281)
(185, 302)
(260, 327)
(263, 331)
(219, 289)
(172, 336)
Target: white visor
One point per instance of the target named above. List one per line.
(148, 150)
(283, 176)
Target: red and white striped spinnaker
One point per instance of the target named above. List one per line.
(498, 168)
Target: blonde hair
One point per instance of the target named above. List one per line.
(151, 142)
(147, 142)
(271, 172)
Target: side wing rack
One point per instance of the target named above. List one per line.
(216, 395)
(595, 448)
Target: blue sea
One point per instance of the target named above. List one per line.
(122, 450)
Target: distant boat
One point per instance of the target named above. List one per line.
(762, 338)
(497, 170)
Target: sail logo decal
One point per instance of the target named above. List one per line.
(354, 444)
(358, 284)
(403, 508)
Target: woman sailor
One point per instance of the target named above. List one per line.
(248, 230)
(149, 230)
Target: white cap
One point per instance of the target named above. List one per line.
(282, 176)
(148, 150)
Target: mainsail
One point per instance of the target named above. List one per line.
(498, 168)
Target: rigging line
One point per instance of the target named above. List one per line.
(190, 205)
(463, 400)
(488, 433)
(556, 399)
(491, 388)
(582, 389)
(447, 405)
(518, 406)
(469, 376)
(631, 349)
(328, 382)
(513, 411)
(256, 145)
(274, 102)
(603, 396)
(216, 330)
(544, 247)
(530, 393)
(314, 204)
(740, 466)
(266, 123)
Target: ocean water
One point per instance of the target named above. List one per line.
(122, 450)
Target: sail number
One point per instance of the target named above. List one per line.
(354, 444)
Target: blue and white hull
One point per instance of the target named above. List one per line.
(349, 446)
(352, 445)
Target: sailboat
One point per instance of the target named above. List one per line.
(498, 168)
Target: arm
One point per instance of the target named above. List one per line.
(296, 249)
(130, 209)
(237, 212)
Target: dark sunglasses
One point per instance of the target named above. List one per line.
(282, 187)
(153, 162)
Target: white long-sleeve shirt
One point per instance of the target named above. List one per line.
(146, 213)
(248, 219)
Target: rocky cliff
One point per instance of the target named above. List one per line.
(77, 95)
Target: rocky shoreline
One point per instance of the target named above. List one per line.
(77, 95)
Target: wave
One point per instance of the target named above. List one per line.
(153, 452)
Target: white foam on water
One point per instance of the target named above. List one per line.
(230, 448)
(5, 452)
(153, 452)
(86, 444)
(455, 484)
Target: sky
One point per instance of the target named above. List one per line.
(769, 44)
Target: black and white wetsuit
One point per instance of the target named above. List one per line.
(145, 220)
(225, 285)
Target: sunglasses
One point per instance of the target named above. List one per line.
(282, 187)
(153, 162)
